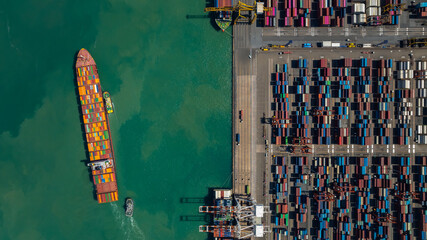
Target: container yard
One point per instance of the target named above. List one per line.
(96, 127)
(334, 13)
(347, 143)
(335, 130)
(343, 136)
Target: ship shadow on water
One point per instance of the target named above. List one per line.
(82, 126)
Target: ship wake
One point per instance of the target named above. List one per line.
(128, 225)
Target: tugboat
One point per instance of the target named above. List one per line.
(108, 103)
(129, 207)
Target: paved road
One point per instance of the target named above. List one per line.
(243, 81)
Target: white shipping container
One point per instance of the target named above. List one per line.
(424, 65)
(336, 45)
(359, 8)
(326, 44)
(372, 11)
(373, 3)
(362, 18)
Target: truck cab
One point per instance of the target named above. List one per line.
(237, 139)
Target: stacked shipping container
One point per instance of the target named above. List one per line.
(382, 100)
(363, 216)
(342, 202)
(300, 117)
(280, 191)
(361, 129)
(321, 111)
(270, 16)
(280, 84)
(421, 9)
(322, 165)
(403, 190)
(296, 13)
(381, 184)
(420, 179)
(392, 11)
(403, 105)
(341, 89)
(332, 12)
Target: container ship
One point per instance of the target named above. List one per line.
(223, 18)
(97, 128)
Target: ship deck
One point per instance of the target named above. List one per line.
(97, 127)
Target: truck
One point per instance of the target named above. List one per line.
(326, 44)
(237, 139)
(241, 115)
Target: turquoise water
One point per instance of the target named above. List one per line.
(170, 80)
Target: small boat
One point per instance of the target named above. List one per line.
(108, 103)
(129, 207)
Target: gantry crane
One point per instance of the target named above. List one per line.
(383, 18)
(388, 218)
(301, 141)
(303, 150)
(319, 112)
(407, 195)
(396, 7)
(256, 8)
(418, 75)
(414, 41)
(217, 209)
(346, 187)
(324, 197)
(306, 150)
(276, 121)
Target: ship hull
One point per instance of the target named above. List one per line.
(97, 128)
(223, 24)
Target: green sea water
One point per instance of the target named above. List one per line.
(170, 81)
